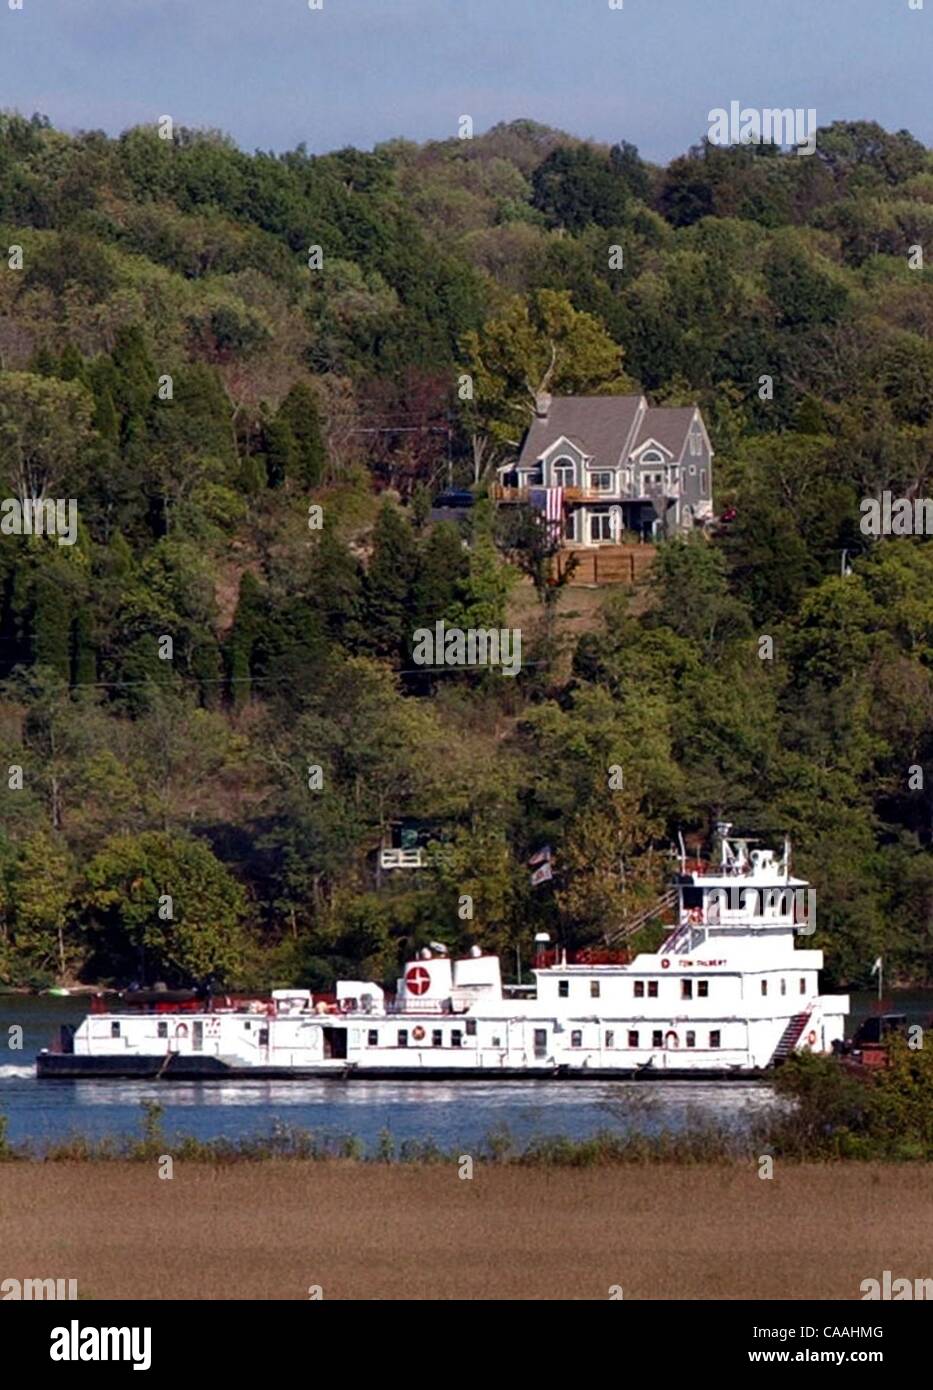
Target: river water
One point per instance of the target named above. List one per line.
(453, 1114)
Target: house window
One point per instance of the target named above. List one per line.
(702, 989)
(639, 989)
(600, 526)
(691, 1038)
(471, 1027)
(693, 470)
(703, 482)
(437, 1038)
(610, 1038)
(653, 479)
(403, 1037)
(764, 986)
(657, 1038)
(456, 1037)
(686, 989)
(162, 1030)
(652, 989)
(714, 1038)
(576, 1038)
(563, 989)
(372, 1037)
(632, 1037)
(594, 989)
(114, 1030)
(601, 482)
(570, 526)
(563, 472)
(803, 985)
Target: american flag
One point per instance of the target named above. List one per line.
(549, 500)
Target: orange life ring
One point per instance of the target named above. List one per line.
(665, 964)
(181, 1030)
(417, 1033)
(811, 1037)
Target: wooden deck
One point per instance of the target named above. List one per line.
(607, 564)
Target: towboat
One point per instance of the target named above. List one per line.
(729, 993)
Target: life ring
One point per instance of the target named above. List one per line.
(417, 1033)
(667, 1038)
(181, 1030)
(665, 964)
(811, 1037)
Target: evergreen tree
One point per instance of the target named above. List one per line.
(389, 582)
(300, 412)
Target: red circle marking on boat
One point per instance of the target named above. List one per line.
(417, 980)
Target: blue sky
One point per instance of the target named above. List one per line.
(274, 72)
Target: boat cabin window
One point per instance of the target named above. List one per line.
(691, 1038)
(686, 989)
(497, 1041)
(114, 1030)
(437, 1037)
(610, 1038)
(783, 986)
(702, 989)
(714, 1038)
(639, 989)
(632, 1038)
(657, 1038)
(540, 1042)
(372, 1037)
(803, 985)
(576, 1038)
(764, 986)
(162, 1030)
(563, 989)
(456, 1037)
(471, 1027)
(263, 1037)
(652, 989)
(403, 1037)
(594, 989)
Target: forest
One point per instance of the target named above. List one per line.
(254, 372)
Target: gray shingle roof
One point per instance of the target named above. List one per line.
(600, 425)
(668, 425)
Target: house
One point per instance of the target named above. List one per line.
(624, 467)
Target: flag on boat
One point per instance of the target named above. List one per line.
(542, 875)
(550, 501)
(541, 855)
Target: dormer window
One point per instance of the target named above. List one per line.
(564, 472)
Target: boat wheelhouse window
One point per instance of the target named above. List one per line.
(610, 1038)
(403, 1037)
(563, 989)
(714, 1038)
(702, 989)
(263, 1037)
(652, 989)
(497, 1041)
(114, 1030)
(686, 989)
(471, 1027)
(639, 989)
(657, 1038)
(632, 1037)
(162, 1030)
(576, 1038)
(594, 989)
(783, 986)
(372, 1037)
(691, 1038)
(456, 1037)
(437, 1038)
(803, 985)
(764, 986)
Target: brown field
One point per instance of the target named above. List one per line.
(272, 1229)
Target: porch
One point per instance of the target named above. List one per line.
(604, 564)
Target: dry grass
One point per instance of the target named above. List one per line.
(271, 1230)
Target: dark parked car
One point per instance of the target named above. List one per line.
(458, 498)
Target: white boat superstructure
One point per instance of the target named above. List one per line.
(728, 993)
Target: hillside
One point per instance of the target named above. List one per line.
(253, 372)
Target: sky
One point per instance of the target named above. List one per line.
(273, 73)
